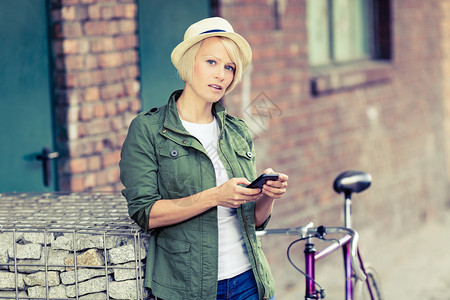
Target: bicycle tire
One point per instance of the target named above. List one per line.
(361, 292)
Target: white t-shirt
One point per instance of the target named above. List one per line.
(233, 256)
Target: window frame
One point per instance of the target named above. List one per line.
(374, 69)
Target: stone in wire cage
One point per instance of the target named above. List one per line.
(93, 254)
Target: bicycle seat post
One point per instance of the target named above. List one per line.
(348, 210)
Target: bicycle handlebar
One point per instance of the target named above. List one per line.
(308, 231)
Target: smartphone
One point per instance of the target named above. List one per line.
(261, 180)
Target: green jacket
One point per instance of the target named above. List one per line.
(161, 160)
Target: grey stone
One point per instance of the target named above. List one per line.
(40, 278)
(55, 262)
(8, 281)
(126, 254)
(10, 236)
(88, 287)
(53, 292)
(28, 251)
(68, 277)
(3, 256)
(128, 273)
(114, 241)
(63, 243)
(83, 242)
(38, 237)
(56, 259)
(12, 294)
(89, 242)
(37, 292)
(57, 292)
(123, 290)
(92, 257)
(9, 248)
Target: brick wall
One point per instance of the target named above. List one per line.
(96, 88)
(392, 128)
(389, 119)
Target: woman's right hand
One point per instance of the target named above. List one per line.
(231, 194)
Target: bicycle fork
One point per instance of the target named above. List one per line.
(310, 286)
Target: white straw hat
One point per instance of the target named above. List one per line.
(210, 27)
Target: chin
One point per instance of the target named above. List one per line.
(215, 98)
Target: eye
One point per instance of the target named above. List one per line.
(210, 62)
(229, 68)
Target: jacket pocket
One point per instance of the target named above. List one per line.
(172, 263)
(244, 153)
(246, 161)
(176, 168)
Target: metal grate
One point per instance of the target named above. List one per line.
(65, 210)
(35, 228)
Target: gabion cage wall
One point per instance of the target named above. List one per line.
(70, 246)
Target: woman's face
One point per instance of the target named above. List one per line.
(213, 70)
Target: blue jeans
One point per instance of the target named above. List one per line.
(240, 287)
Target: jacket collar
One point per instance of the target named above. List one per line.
(173, 122)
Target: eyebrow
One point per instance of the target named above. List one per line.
(212, 55)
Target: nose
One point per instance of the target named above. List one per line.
(220, 73)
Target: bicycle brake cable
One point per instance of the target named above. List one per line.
(322, 292)
(330, 240)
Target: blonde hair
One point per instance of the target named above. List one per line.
(187, 61)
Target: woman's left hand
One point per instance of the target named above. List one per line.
(275, 188)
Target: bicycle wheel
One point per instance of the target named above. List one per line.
(361, 291)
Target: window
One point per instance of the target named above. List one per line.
(342, 31)
(349, 42)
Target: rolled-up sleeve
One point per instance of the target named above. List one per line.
(138, 172)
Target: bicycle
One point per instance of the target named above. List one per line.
(361, 281)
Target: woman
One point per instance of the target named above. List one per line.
(185, 166)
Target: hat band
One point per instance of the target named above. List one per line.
(213, 30)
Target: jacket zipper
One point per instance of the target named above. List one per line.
(242, 216)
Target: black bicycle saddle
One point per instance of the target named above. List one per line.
(352, 182)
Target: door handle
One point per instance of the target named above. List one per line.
(45, 156)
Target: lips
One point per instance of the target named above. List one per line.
(216, 86)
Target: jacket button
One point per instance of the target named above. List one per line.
(184, 141)
(164, 131)
(174, 153)
(249, 154)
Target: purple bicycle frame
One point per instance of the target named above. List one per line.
(311, 256)
(348, 243)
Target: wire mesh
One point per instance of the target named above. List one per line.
(69, 246)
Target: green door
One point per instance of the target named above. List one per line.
(25, 104)
(162, 25)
